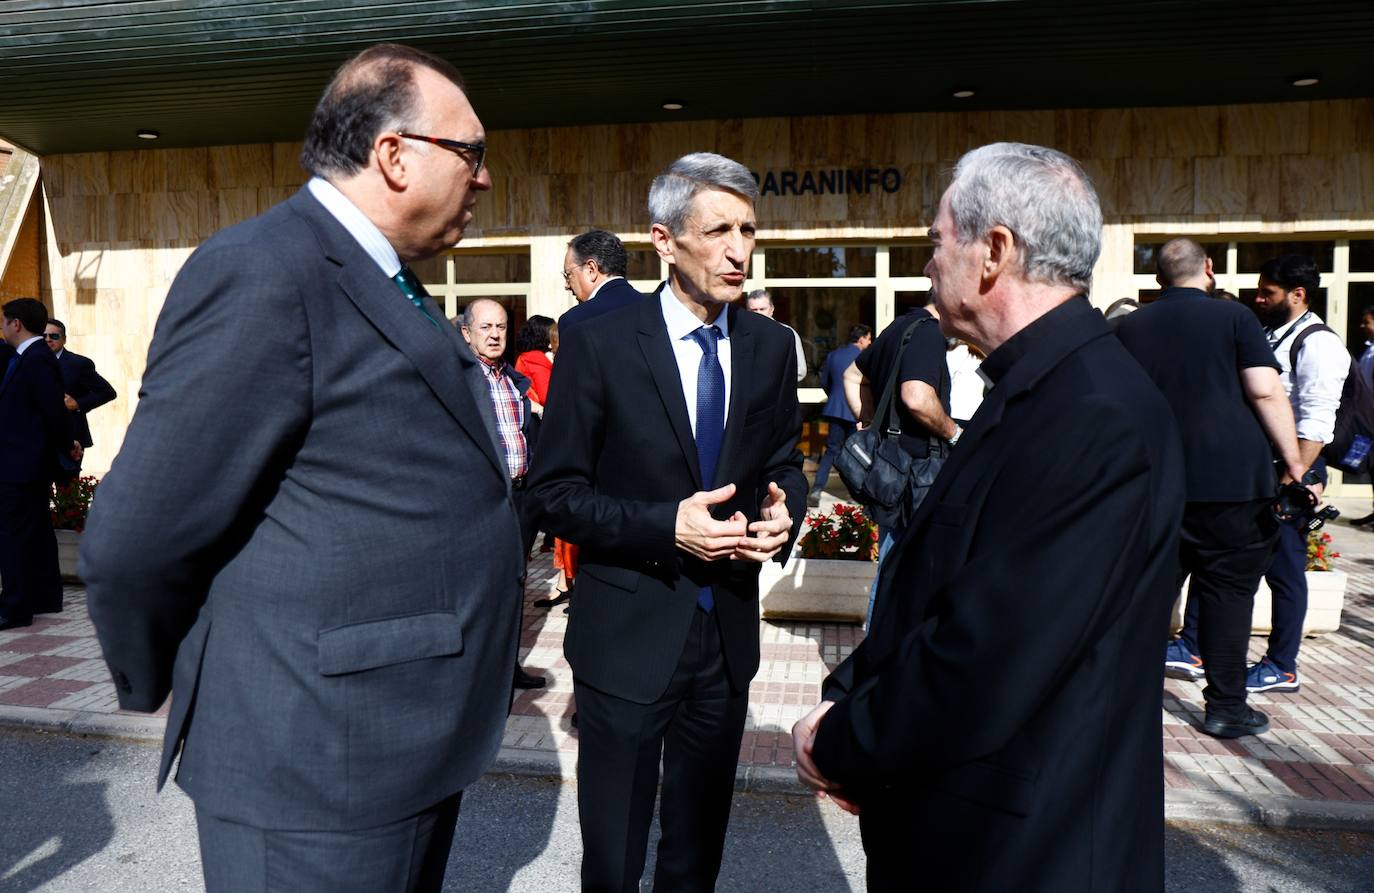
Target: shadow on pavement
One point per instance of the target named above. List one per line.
(41, 843)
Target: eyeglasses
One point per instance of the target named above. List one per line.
(453, 146)
(54, 336)
(568, 271)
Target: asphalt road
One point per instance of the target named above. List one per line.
(79, 814)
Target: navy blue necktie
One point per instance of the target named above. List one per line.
(710, 421)
(9, 368)
(411, 287)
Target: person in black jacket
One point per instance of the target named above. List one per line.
(83, 388)
(999, 730)
(1213, 364)
(35, 436)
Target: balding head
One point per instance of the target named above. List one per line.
(1181, 263)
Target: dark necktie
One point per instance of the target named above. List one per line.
(411, 288)
(710, 421)
(9, 369)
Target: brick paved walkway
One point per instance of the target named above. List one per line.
(1315, 766)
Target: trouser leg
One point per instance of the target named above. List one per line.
(700, 754)
(1228, 546)
(408, 856)
(1288, 584)
(834, 442)
(619, 745)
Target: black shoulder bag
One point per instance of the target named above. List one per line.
(883, 477)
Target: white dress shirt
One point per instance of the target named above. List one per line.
(1367, 363)
(342, 209)
(681, 324)
(1314, 388)
(27, 344)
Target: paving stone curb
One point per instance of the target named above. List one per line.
(1179, 805)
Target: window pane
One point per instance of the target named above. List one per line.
(1146, 295)
(821, 262)
(1361, 298)
(1362, 255)
(511, 266)
(1145, 255)
(908, 260)
(644, 264)
(905, 300)
(1250, 255)
(822, 317)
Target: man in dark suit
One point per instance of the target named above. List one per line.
(669, 455)
(999, 730)
(839, 419)
(1213, 364)
(484, 325)
(308, 535)
(594, 273)
(83, 388)
(34, 434)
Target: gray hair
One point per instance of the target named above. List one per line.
(671, 193)
(1042, 196)
(757, 294)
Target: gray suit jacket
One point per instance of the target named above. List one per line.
(308, 537)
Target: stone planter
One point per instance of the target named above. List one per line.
(1325, 599)
(68, 551)
(816, 589)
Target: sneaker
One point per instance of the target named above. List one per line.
(1266, 676)
(1180, 663)
(1254, 723)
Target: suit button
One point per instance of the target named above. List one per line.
(122, 682)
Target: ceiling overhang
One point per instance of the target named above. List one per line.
(86, 75)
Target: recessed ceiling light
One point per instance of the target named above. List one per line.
(1306, 81)
(963, 94)
(146, 134)
(673, 105)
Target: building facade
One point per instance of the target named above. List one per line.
(846, 204)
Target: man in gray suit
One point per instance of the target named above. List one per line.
(319, 563)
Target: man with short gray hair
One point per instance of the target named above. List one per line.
(760, 301)
(999, 728)
(669, 456)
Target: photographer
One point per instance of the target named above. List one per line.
(1313, 364)
(1212, 363)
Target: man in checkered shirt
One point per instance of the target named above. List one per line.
(484, 324)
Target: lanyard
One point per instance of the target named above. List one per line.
(1279, 339)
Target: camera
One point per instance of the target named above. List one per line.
(1294, 502)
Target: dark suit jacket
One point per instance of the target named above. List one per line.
(1001, 724)
(86, 386)
(308, 537)
(613, 295)
(617, 455)
(832, 379)
(34, 430)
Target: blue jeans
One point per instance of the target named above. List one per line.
(834, 442)
(886, 537)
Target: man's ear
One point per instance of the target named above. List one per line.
(595, 269)
(1001, 253)
(387, 150)
(662, 241)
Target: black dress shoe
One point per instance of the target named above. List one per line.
(14, 623)
(1253, 723)
(1367, 519)
(551, 602)
(526, 680)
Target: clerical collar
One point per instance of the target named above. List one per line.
(1000, 361)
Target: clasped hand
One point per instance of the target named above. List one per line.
(699, 534)
(803, 741)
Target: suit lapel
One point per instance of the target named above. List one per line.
(662, 363)
(438, 354)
